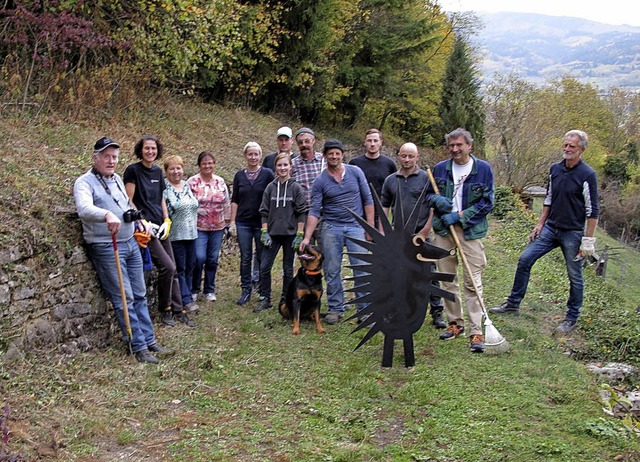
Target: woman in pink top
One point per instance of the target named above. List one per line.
(214, 213)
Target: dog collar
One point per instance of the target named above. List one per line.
(312, 273)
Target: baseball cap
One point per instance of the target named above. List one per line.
(305, 130)
(332, 144)
(285, 131)
(104, 143)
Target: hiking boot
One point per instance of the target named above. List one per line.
(476, 345)
(265, 304)
(566, 327)
(157, 349)
(452, 332)
(167, 319)
(144, 356)
(438, 320)
(244, 298)
(184, 319)
(332, 317)
(506, 307)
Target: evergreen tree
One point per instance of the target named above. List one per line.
(461, 104)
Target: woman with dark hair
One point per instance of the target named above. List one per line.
(248, 186)
(213, 216)
(145, 187)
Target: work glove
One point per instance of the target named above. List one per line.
(164, 230)
(153, 229)
(233, 231)
(265, 238)
(442, 204)
(297, 240)
(450, 218)
(142, 238)
(588, 246)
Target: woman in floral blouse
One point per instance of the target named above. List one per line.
(182, 206)
(214, 213)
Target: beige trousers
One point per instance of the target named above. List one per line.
(474, 251)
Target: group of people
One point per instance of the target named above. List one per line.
(287, 201)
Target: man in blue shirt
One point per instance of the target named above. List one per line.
(339, 188)
(572, 199)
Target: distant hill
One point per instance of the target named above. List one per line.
(539, 47)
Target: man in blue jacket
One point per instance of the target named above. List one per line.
(571, 200)
(468, 182)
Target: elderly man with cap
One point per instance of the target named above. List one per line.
(104, 209)
(284, 138)
(308, 165)
(338, 189)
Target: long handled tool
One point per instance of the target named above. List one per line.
(125, 310)
(494, 342)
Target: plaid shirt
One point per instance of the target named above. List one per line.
(306, 171)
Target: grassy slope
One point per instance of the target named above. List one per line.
(243, 388)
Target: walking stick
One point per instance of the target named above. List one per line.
(125, 310)
(494, 342)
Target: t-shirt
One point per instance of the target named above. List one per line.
(182, 207)
(149, 190)
(215, 204)
(375, 170)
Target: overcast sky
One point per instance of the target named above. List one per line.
(608, 11)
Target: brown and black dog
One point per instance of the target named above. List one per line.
(305, 291)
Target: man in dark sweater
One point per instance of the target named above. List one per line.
(572, 200)
(284, 138)
(375, 165)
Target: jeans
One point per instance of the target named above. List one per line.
(550, 238)
(103, 258)
(269, 256)
(247, 235)
(334, 239)
(208, 245)
(185, 256)
(169, 297)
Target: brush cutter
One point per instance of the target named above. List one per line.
(494, 342)
(125, 310)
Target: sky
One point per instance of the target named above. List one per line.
(607, 12)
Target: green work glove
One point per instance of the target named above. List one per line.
(297, 240)
(265, 238)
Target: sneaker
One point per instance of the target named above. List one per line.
(144, 356)
(452, 332)
(438, 320)
(194, 296)
(332, 317)
(210, 297)
(476, 345)
(505, 308)
(567, 326)
(167, 319)
(244, 298)
(265, 304)
(184, 319)
(192, 307)
(157, 349)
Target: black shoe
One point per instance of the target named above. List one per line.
(265, 304)
(157, 349)
(505, 308)
(566, 327)
(184, 319)
(438, 320)
(167, 319)
(244, 298)
(144, 356)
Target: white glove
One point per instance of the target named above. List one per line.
(588, 246)
(153, 229)
(164, 230)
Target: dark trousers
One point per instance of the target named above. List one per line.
(169, 297)
(269, 256)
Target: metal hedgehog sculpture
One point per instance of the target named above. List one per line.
(396, 280)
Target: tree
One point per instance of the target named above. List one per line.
(461, 104)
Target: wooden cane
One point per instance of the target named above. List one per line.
(125, 310)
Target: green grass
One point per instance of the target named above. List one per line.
(241, 387)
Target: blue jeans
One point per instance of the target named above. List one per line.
(208, 245)
(103, 258)
(247, 235)
(269, 256)
(549, 239)
(185, 256)
(334, 239)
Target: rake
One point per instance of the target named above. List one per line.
(494, 342)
